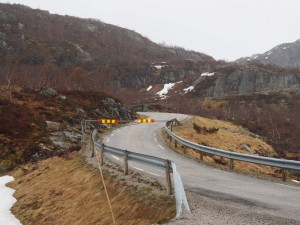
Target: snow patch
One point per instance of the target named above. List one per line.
(149, 88)
(165, 90)
(7, 201)
(188, 89)
(207, 74)
(296, 181)
(269, 53)
(158, 67)
(266, 57)
(284, 48)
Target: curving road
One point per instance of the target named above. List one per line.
(266, 196)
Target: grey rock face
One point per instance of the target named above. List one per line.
(116, 109)
(64, 139)
(284, 55)
(48, 92)
(244, 82)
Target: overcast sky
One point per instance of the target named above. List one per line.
(224, 29)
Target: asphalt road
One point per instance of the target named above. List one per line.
(274, 199)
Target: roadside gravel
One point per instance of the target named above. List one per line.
(209, 208)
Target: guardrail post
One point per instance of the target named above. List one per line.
(102, 154)
(184, 149)
(125, 162)
(170, 138)
(201, 156)
(82, 133)
(168, 177)
(175, 143)
(231, 164)
(91, 145)
(284, 175)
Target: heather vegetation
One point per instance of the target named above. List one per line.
(35, 126)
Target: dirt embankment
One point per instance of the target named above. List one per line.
(67, 190)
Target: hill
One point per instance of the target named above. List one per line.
(71, 53)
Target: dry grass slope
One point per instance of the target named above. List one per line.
(229, 137)
(66, 190)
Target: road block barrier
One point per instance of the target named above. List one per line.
(144, 121)
(112, 121)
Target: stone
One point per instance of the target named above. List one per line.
(80, 111)
(2, 36)
(247, 148)
(72, 136)
(48, 92)
(21, 26)
(103, 126)
(52, 125)
(61, 144)
(62, 97)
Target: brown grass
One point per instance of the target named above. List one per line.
(69, 191)
(229, 137)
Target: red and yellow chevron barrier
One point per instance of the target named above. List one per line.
(144, 121)
(108, 121)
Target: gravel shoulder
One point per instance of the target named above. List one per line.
(210, 208)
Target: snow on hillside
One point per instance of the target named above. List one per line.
(207, 74)
(165, 90)
(188, 89)
(7, 201)
(149, 88)
(162, 93)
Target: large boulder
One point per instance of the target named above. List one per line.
(48, 92)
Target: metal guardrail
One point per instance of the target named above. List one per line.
(135, 157)
(280, 163)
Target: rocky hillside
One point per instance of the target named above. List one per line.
(283, 55)
(72, 53)
(37, 125)
(222, 80)
(245, 80)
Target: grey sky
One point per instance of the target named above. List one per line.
(224, 29)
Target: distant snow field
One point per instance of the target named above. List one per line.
(207, 74)
(6, 202)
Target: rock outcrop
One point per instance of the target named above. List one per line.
(246, 81)
(284, 55)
